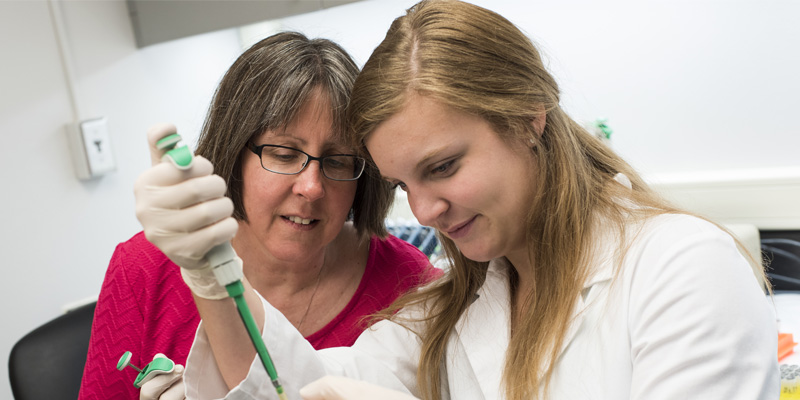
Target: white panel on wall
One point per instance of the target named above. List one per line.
(156, 21)
(767, 198)
(59, 232)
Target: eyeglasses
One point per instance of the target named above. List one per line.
(289, 161)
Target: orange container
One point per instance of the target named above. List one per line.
(785, 345)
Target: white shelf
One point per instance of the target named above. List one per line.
(767, 198)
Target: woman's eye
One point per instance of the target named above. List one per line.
(400, 185)
(442, 169)
(284, 157)
(340, 162)
(280, 155)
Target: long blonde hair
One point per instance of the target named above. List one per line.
(476, 61)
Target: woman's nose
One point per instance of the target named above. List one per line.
(309, 182)
(426, 205)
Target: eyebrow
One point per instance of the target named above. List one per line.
(283, 133)
(421, 163)
(327, 145)
(427, 158)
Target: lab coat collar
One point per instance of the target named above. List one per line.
(483, 332)
(484, 329)
(606, 247)
(604, 258)
(602, 271)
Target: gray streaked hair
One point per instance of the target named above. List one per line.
(263, 90)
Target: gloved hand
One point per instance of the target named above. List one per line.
(341, 388)
(184, 213)
(164, 386)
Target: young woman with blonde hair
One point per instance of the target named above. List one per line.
(569, 278)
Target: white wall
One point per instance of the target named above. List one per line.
(58, 233)
(686, 85)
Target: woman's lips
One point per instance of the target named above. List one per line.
(299, 222)
(461, 230)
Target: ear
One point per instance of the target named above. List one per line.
(538, 123)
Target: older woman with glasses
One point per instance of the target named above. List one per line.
(310, 217)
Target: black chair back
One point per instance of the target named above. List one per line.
(47, 363)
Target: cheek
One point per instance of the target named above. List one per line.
(257, 197)
(262, 190)
(349, 195)
(340, 198)
(252, 173)
(477, 183)
(249, 189)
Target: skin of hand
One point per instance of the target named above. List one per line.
(341, 388)
(164, 386)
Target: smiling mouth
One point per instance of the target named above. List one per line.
(300, 221)
(460, 230)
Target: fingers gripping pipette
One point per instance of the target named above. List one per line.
(159, 365)
(225, 265)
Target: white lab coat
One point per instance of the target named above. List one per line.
(683, 319)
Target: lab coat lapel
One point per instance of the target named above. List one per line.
(602, 270)
(483, 330)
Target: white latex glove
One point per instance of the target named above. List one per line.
(341, 388)
(164, 386)
(184, 213)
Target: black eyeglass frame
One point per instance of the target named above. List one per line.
(258, 150)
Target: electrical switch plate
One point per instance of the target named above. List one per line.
(91, 148)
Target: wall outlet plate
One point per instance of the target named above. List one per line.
(90, 145)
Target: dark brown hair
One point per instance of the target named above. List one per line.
(264, 90)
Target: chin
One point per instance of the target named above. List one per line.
(479, 255)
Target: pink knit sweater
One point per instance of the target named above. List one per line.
(145, 307)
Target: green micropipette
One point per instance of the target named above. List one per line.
(226, 266)
(158, 366)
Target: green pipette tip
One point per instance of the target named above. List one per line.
(168, 142)
(180, 156)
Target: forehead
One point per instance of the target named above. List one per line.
(419, 115)
(313, 123)
(423, 128)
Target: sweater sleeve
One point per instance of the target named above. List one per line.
(145, 308)
(117, 327)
